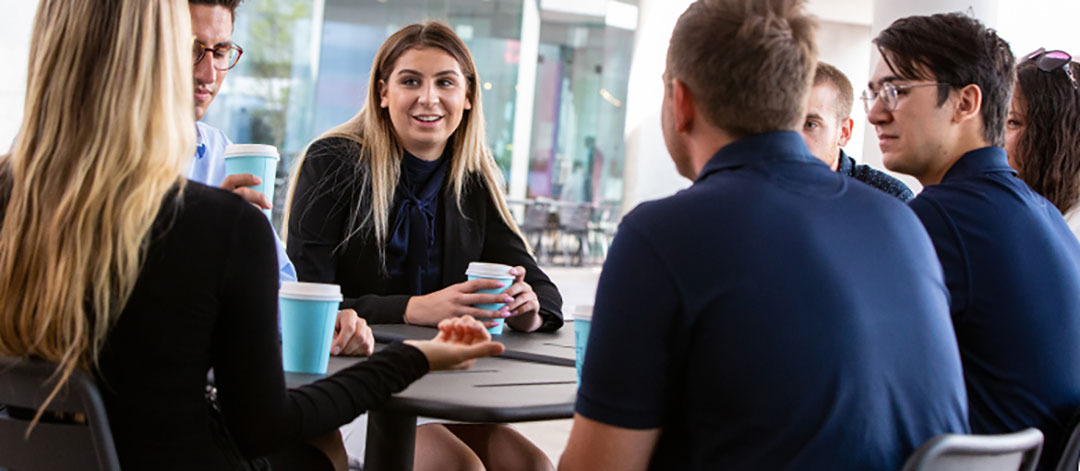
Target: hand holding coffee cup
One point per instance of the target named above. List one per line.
(458, 344)
(254, 166)
(240, 184)
(525, 308)
(460, 300)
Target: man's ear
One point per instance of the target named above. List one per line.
(968, 103)
(846, 126)
(682, 101)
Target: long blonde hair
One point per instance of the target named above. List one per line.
(381, 153)
(108, 128)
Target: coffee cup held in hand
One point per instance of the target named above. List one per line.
(491, 271)
(255, 159)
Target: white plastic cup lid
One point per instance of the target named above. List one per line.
(489, 270)
(583, 312)
(310, 291)
(246, 150)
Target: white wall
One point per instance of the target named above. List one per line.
(847, 47)
(15, 36)
(1030, 24)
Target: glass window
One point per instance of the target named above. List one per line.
(305, 68)
(577, 148)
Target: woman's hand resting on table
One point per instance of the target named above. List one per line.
(522, 307)
(459, 343)
(352, 335)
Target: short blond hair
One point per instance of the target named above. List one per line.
(748, 63)
(845, 95)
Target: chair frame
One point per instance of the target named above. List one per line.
(1028, 442)
(26, 383)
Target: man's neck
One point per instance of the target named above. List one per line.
(951, 156)
(705, 145)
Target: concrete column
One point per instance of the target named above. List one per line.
(526, 94)
(649, 172)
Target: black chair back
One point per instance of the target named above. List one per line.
(953, 452)
(575, 219)
(75, 434)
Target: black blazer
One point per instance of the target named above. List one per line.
(328, 189)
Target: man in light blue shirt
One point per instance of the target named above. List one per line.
(214, 54)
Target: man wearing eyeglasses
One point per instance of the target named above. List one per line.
(827, 130)
(938, 98)
(213, 54)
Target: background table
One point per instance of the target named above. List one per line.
(553, 348)
(494, 390)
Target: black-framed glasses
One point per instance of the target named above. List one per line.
(1049, 61)
(224, 56)
(890, 94)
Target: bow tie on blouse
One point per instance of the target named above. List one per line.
(412, 233)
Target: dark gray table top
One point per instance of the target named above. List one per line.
(554, 348)
(494, 390)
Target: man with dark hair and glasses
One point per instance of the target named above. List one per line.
(213, 54)
(938, 98)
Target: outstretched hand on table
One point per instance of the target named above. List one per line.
(459, 343)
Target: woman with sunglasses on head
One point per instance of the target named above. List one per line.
(98, 272)
(1041, 134)
(395, 203)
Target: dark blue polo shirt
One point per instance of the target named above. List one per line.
(774, 315)
(1013, 270)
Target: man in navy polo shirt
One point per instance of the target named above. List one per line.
(776, 314)
(939, 97)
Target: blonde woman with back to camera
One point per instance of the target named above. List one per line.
(395, 203)
(98, 271)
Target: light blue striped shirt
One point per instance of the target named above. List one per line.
(208, 168)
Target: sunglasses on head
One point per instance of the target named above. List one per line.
(1049, 61)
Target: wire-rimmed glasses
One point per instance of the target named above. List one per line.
(889, 94)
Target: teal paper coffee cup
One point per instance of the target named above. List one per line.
(308, 312)
(582, 322)
(491, 271)
(257, 159)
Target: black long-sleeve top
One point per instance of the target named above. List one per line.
(326, 245)
(206, 297)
